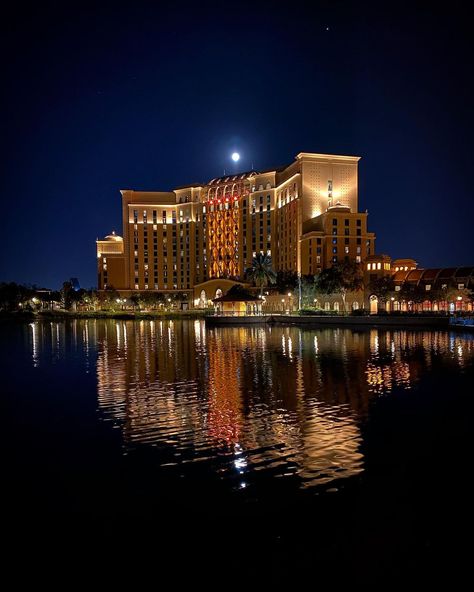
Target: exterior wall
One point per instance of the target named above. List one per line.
(111, 263)
(327, 180)
(112, 272)
(313, 258)
(159, 238)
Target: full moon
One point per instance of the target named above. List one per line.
(235, 156)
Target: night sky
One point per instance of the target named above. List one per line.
(155, 95)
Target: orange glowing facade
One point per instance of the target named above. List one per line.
(305, 215)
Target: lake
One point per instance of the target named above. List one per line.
(358, 441)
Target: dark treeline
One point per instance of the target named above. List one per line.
(19, 297)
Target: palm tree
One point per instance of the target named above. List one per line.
(261, 271)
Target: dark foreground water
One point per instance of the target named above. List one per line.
(333, 447)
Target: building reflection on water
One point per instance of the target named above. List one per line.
(250, 401)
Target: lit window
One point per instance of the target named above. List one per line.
(358, 259)
(460, 286)
(379, 266)
(428, 287)
(397, 288)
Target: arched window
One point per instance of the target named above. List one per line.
(374, 304)
(218, 293)
(336, 306)
(355, 305)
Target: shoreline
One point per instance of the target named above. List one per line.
(309, 321)
(62, 315)
(315, 321)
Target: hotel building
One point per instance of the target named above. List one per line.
(305, 215)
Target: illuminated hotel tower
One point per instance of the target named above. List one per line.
(305, 215)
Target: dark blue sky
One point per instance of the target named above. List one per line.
(154, 95)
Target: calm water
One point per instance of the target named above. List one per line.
(360, 436)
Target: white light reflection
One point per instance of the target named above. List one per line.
(34, 335)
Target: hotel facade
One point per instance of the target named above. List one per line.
(196, 237)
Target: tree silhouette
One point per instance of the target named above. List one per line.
(261, 272)
(340, 279)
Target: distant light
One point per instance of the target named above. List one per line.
(235, 156)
